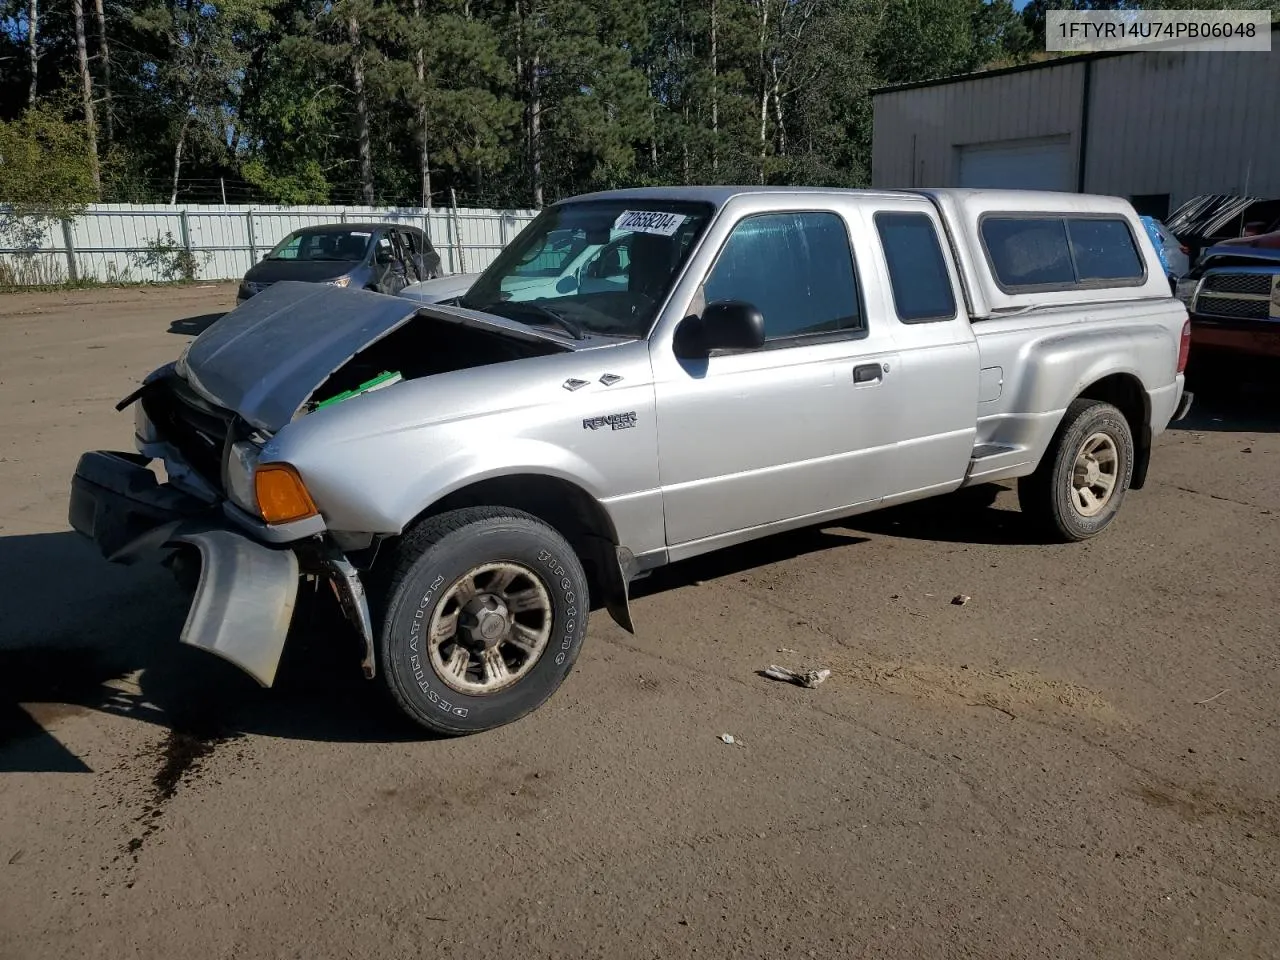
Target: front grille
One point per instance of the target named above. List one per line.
(1230, 307)
(1257, 283)
(197, 428)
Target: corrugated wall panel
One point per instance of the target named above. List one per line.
(1238, 113)
(944, 117)
(1186, 124)
(1177, 123)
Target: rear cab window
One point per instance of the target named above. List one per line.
(918, 276)
(1061, 252)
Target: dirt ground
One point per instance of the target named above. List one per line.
(1079, 762)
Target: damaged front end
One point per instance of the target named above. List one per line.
(210, 420)
(246, 590)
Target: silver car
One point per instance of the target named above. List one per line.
(640, 377)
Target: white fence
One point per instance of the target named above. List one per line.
(107, 242)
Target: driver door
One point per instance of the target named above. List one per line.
(790, 430)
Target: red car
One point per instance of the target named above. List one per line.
(1233, 296)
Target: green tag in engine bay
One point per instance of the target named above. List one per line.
(384, 379)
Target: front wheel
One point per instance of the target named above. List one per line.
(1077, 490)
(485, 613)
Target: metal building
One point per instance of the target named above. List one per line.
(1158, 128)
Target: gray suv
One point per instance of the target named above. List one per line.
(385, 257)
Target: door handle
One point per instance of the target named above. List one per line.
(867, 373)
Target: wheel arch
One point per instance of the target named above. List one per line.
(570, 510)
(1125, 392)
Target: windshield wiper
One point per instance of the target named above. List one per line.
(575, 329)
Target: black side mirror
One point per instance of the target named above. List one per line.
(732, 325)
(724, 325)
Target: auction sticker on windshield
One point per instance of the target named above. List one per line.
(649, 221)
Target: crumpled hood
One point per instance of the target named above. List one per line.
(265, 358)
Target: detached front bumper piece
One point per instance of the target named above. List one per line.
(246, 591)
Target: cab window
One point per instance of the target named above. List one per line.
(917, 270)
(796, 268)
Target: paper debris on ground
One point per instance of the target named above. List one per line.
(804, 678)
(727, 738)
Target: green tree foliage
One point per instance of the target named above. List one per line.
(45, 165)
(46, 174)
(506, 102)
(196, 76)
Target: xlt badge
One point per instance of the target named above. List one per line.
(615, 421)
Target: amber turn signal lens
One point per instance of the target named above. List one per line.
(282, 497)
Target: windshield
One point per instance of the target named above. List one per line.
(592, 267)
(322, 245)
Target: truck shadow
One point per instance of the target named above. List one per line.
(80, 636)
(967, 516)
(1248, 404)
(740, 559)
(194, 326)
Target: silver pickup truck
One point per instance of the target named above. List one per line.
(721, 364)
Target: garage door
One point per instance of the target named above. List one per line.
(1040, 164)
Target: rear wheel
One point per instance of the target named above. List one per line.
(484, 616)
(1077, 490)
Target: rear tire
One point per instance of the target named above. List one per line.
(1077, 490)
(485, 613)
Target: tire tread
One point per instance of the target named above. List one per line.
(1038, 493)
(413, 545)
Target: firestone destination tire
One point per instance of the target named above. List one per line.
(485, 613)
(1080, 483)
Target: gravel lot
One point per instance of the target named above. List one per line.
(1079, 762)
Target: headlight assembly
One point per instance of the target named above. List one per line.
(242, 462)
(340, 282)
(1187, 290)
